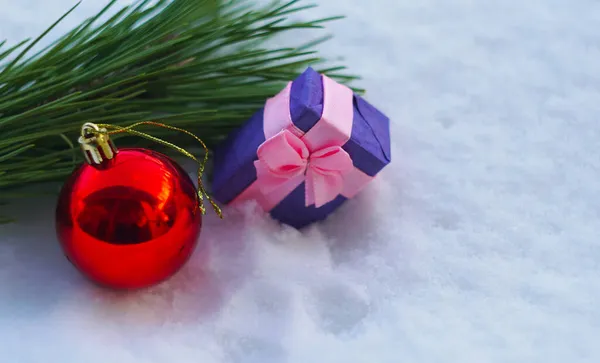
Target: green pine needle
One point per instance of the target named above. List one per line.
(203, 65)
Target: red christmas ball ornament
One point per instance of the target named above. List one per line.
(127, 218)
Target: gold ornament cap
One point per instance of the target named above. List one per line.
(96, 145)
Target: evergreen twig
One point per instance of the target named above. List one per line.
(200, 64)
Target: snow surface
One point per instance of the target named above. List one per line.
(479, 243)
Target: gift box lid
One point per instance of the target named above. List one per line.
(368, 145)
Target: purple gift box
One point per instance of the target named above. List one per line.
(309, 149)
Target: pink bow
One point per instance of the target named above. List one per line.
(285, 157)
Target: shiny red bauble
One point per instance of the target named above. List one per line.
(130, 224)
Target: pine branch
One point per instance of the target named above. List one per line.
(200, 64)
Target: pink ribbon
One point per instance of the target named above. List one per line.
(285, 157)
(289, 156)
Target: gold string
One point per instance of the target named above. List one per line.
(201, 164)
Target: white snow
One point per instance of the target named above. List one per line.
(479, 243)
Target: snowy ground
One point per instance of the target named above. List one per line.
(478, 244)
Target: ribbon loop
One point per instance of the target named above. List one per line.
(285, 156)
